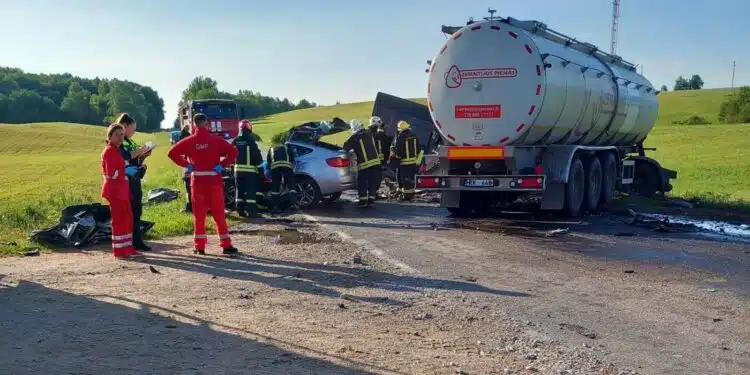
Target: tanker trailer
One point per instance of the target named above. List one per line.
(523, 109)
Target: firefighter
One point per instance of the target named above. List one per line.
(246, 170)
(383, 141)
(134, 155)
(368, 162)
(405, 150)
(116, 190)
(184, 133)
(281, 164)
(201, 153)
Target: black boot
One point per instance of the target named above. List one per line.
(141, 246)
(199, 252)
(231, 250)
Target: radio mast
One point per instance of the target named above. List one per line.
(615, 24)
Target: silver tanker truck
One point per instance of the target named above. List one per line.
(522, 109)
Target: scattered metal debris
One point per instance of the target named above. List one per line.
(556, 232)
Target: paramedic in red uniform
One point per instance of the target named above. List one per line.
(201, 153)
(116, 190)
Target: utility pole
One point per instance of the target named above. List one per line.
(734, 66)
(615, 24)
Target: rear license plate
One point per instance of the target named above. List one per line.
(478, 182)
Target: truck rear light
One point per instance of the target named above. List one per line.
(338, 162)
(429, 182)
(533, 182)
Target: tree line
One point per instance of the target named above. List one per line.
(28, 97)
(254, 103)
(681, 83)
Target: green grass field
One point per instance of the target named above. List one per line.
(46, 167)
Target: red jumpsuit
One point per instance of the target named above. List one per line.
(116, 191)
(204, 151)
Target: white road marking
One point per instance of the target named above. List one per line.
(368, 246)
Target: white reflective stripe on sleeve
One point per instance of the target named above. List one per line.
(224, 236)
(204, 173)
(200, 236)
(123, 237)
(274, 193)
(121, 245)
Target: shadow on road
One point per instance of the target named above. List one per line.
(45, 331)
(314, 278)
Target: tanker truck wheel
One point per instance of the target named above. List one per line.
(593, 188)
(609, 177)
(574, 189)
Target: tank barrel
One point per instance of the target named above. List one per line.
(535, 86)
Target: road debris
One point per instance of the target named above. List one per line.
(556, 232)
(629, 271)
(681, 203)
(153, 270)
(583, 331)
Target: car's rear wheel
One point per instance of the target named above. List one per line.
(308, 192)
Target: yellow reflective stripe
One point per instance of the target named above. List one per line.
(409, 161)
(368, 164)
(362, 146)
(408, 191)
(245, 168)
(420, 157)
(280, 164)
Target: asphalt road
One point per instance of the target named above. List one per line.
(660, 303)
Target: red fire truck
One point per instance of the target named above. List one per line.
(223, 116)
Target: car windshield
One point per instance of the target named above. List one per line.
(215, 111)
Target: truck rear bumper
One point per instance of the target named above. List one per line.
(524, 183)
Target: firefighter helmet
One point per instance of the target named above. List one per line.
(356, 125)
(375, 121)
(246, 125)
(403, 125)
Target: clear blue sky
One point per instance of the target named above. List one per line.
(343, 50)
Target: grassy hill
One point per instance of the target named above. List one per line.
(48, 166)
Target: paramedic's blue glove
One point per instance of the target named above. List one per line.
(131, 171)
(218, 168)
(190, 168)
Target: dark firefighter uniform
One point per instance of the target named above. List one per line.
(246, 171)
(136, 190)
(281, 164)
(405, 149)
(184, 133)
(383, 142)
(368, 162)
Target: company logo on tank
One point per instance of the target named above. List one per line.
(454, 76)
